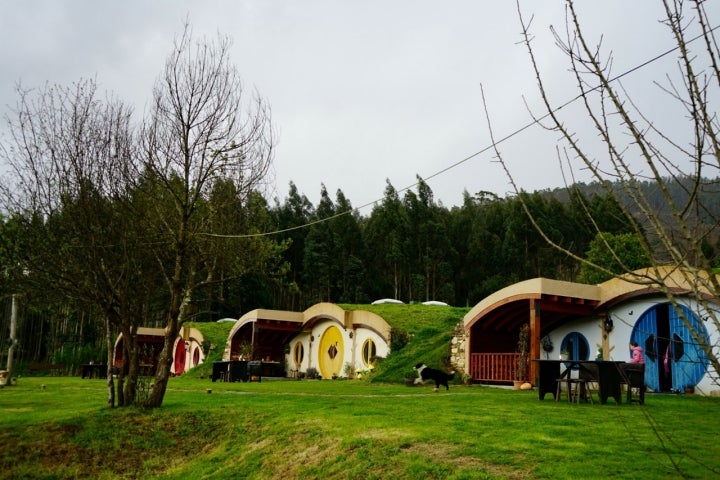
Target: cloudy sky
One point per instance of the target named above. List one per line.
(361, 92)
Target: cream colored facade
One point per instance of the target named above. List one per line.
(325, 337)
(601, 318)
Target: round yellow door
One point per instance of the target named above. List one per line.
(330, 353)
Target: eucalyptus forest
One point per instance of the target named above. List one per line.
(409, 247)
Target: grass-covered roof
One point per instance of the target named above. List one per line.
(420, 333)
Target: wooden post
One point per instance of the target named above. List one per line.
(11, 349)
(255, 329)
(606, 348)
(535, 322)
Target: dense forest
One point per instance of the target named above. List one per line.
(408, 247)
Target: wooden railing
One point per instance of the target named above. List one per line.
(493, 367)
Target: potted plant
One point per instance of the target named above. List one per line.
(564, 354)
(349, 370)
(523, 348)
(246, 351)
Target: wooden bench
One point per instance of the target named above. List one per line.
(48, 367)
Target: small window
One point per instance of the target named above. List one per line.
(576, 345)
(368, 353)
(298, 354)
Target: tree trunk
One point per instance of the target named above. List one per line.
(176, 317)
(11, 350)
(128, 374)
(109, 360)
(157, 393)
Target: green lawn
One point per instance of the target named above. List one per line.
(348, 429)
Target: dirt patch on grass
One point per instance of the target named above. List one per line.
(448, 454)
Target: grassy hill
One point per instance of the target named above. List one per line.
(427, 329)
(216, 335)
(421, 333)
(60, 428)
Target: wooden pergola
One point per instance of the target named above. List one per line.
(266, 332)
(494, 323)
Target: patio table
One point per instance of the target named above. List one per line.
(609, 376)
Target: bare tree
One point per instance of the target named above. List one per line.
(61, 139)
(675, 234)
(201, 130)
(107, 222)
(70, 159)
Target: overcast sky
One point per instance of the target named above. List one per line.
(360, 92)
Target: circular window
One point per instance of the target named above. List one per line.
(368, 353)
(298, 353)
(576, 345)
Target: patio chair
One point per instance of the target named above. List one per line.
(578, 387)
(586, 382)
(569, 387)
(633, 376)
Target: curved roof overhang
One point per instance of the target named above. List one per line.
(192, 333)
(144, 335)
(371, 321)
(279, 326)
(553, 301)
(557, 301)
(326, 311)
(347, 319)
(647, 282)
(276, 325)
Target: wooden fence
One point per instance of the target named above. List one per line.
(493, 367)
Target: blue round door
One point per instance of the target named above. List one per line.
(674, 359)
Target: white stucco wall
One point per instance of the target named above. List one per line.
(353, 340)
(354, 327)
(304, 339)
(625, 317)
(194, 339)
(590, 329)
(382, 349)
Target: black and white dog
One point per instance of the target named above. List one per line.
(426, 374)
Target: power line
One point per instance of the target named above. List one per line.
(507, 137)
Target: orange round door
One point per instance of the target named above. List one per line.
(330, 353)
